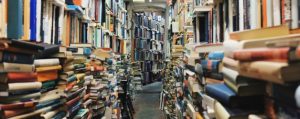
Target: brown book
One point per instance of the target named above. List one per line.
(18, 105)
(16, 112)
(276, 72)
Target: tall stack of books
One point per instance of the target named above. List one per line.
(271, 59)
(22, 84)
(95, 89)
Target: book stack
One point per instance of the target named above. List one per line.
(273, 62)
(24, 79)
(96, 89)
(212, 65)
(177, 51)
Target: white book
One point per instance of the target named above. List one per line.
(294, 15)
(241, 14)
(253, 14)
(230, 11)
(38, 19)
(269, 13)
(277, 12)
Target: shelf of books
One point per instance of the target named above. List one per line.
(148, 47)
(58, 59)
(243, 62)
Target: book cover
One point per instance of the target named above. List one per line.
(15, 19)
(15, 67)
(226, 96)
(18, 105)
(47, 75)
(33, 20)
(25, 97)
(218, 55)
(211, 65)
(48, 68)
(15, 112)
(21, 77)
(276, 72)
(256, 54)
(246, 89)
(11, 57)
(26, 20)
(46, 62)
(21, 86)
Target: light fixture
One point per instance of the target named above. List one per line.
(138, 0)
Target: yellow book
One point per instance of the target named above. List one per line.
(260, 33)
(26, 20)
(41, 69)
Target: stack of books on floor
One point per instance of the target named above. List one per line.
(28, 80)
(212, 65)
(96, 88)
(260, 78)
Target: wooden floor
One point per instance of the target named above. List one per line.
(146, 103)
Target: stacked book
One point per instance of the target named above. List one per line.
(28, 80)
(177, 50)
(264, 65)
(212, 65)
(96, 89)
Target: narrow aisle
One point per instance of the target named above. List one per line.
(146, 103)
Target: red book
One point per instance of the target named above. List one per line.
(21, 77)
(262, 54)
(73, 101)
(20, 105)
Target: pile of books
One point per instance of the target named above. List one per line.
(212, 65)
(177, 51)
(28, 79)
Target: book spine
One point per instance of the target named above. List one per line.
(33, 19)
(14, 67)
(261, 54)
(15, 18)
(24, 86)
(17, 58)
(46, 62)
(20, 105)
(21, 77)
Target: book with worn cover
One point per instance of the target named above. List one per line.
(15, 67)
(46, 62)
(276, 72)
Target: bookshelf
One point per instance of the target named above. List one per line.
(60, 50)
(148, 47)
(212, 63)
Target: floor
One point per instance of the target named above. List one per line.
(146, 103)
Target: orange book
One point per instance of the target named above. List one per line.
(26, 19)
(21, 77)
(264, 13)
(48, 68)
(16, 112)
(47, 75)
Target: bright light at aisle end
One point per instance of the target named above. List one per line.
(138, 0)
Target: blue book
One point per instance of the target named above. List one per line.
(33, 4)
(218, 55)
(15, 19)
(210, 65)
(226, 96)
